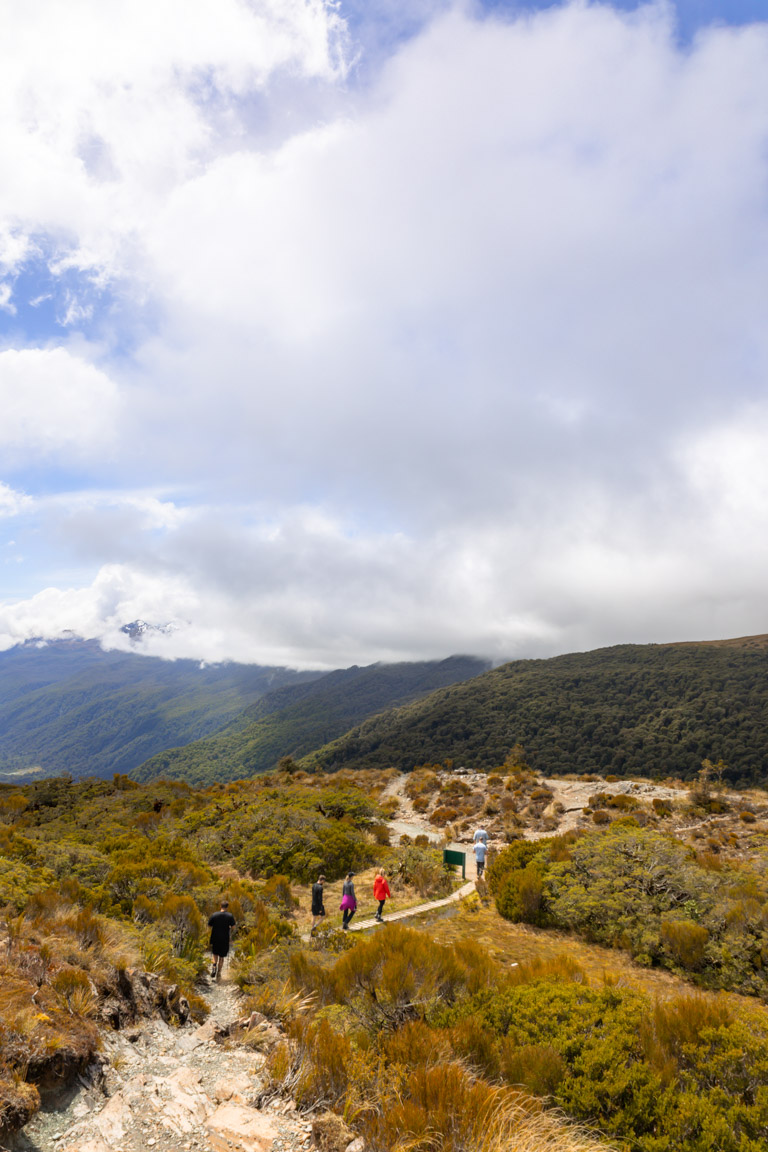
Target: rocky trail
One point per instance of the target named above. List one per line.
(573, 795)
(182, 1089)
(188, 1089)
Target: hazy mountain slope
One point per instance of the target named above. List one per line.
(71, 707)
(296, 719)
(653, 710)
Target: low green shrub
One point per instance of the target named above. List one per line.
(686, 943)
(276, 891)
(423, 868)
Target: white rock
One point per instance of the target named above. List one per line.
(184, 1104)
(114, 1120)
(88, 1146)
(234, 1127)
(233, 1088)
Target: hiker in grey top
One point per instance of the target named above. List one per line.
(348, 900)
(480, 834)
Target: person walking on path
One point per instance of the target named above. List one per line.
(220, 924)
(481, 851)
(380, 892)
(480, 834)
(348, 901)
(318, 908)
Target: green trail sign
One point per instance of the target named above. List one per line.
(450, 856)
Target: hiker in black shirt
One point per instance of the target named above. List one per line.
(220, 925)
(318, 908)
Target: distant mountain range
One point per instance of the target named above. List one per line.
(648, 710)
(298, 718)
(68, 706)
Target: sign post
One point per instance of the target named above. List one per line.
(451, 856)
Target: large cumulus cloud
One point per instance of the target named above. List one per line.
(470, 356)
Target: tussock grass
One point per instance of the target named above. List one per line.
(521, 944)
(515, 1130)
(431, 1100)
(447, 1108)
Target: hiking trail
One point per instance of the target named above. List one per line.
(171, 1089)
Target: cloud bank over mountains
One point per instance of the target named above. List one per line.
(329, 363)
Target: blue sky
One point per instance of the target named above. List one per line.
(335, 334)
(43, 302)
(690, 14)
(379, 26)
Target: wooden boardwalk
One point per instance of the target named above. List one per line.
(390, 917)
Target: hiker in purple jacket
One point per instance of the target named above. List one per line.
(348, 901)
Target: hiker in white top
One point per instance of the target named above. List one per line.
(480, 834)
(481, 851)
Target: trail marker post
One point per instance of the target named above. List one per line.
(456, 859)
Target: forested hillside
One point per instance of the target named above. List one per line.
(651, 710)
(69, 706)
(296, 719)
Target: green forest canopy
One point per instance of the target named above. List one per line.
(295, 720)
(652, 710)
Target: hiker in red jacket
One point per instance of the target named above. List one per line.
(380, 892)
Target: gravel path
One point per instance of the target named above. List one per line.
(414, 825)
(171, 1090)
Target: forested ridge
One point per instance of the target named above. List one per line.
(69, 706)
(651, 710)
(296, 719)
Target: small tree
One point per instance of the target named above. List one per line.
(516, 761)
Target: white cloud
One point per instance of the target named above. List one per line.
(471, 358)
(727, 466)
(302, 588)
(13, 248)
(11, 502)
(53, 402)
(529, 238)
(5, 299)
(103, 110)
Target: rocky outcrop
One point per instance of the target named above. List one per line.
(237, 1128)
(134, 994)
